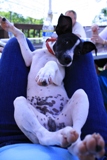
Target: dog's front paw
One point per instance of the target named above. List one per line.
(45, 77)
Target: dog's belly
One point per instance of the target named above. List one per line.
(50, 99)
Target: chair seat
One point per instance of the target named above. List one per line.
(34, 152)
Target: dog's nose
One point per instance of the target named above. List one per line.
(67, 59)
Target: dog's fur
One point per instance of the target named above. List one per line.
(48, 116)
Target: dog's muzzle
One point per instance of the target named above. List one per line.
(67, 59)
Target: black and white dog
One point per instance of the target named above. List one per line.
(47, 116)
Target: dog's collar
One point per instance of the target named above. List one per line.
(47, 44)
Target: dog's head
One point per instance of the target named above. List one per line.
(68, 44)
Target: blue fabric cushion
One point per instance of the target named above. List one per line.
(102, 77)
(13, 82)
(34, 152)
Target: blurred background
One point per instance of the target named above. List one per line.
(34, 11)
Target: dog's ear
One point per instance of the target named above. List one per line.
(64, 25)
(88, 47)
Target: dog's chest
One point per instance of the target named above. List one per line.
(40, 59)
(47, 99)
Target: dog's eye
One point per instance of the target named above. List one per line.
(67, 42)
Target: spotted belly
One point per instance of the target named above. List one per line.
(48, 105)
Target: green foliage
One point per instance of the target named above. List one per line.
(18, 18)
(101, 18)
(104, 11)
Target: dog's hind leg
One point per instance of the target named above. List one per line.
(74, 114)
(26, 117)
(76, 111)
(31, 122)
(91, 147)
(79, 107)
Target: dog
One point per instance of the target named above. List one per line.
(47, 116)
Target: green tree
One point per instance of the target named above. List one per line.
(104, 11)
(18, 18)
(101, 18)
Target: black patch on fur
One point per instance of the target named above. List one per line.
(51, 125)
(98, 148)
(44, 83)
